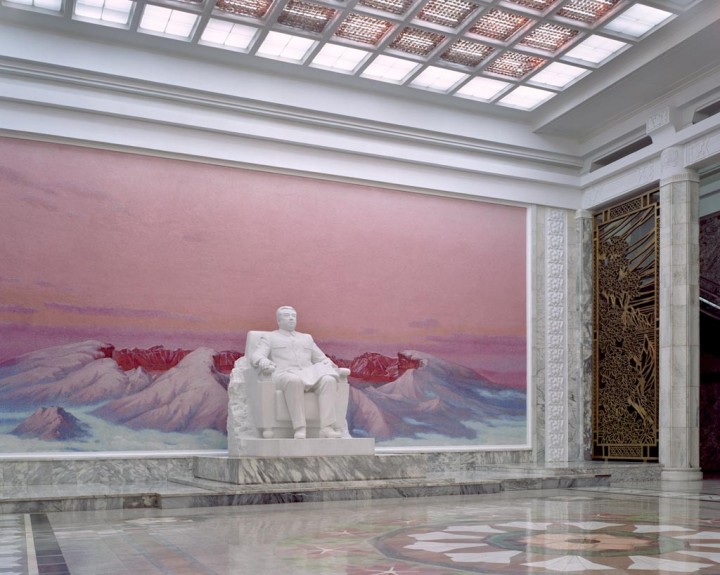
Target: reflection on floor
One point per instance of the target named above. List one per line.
(647, 527)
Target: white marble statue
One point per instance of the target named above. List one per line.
(296, 366)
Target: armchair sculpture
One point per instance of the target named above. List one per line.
(268, 407)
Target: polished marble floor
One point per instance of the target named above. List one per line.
(624, 528)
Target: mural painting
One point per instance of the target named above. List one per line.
(128, 282)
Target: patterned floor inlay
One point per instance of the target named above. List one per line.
(543, 532)
(49, 557)
(555, 546)
(570, 533)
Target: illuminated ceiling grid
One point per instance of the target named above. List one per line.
(517, 53)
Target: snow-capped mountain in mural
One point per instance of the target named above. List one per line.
(74, 374)
(188, 397)
(51, 423)
(80, 395)
(437, 398)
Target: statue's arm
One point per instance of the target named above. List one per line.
(261, 357)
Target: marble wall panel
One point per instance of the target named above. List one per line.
(473, 460)
(584, 333)
(103, 471)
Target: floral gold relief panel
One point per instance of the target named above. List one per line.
(625, 386)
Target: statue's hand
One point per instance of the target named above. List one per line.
(266, 366)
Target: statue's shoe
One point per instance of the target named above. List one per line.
(300, 433)
(329, 433)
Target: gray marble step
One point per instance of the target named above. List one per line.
(273, 470)
(190, 493)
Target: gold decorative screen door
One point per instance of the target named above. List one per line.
(625, 331)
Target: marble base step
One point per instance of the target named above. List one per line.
(267, 494)
(305, 447)
(192, 493)
(271, 470)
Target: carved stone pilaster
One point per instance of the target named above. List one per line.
(556, 344)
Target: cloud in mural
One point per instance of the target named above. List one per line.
(11, 308)
(425, 323)
(120, 312)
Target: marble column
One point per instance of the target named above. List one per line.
(679, 353)
(584, 331)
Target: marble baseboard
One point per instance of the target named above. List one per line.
(305, 447)
(262, 470)
(83, 470)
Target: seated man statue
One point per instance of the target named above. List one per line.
(299, 366)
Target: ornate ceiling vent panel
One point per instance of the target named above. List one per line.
(499, 25)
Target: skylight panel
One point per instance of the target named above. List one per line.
(416, 41)
(51, 5)
(437, 79)
(389, 69)
(588, 11)
(104, 11)
(285, 47)
(363, 29)
(539, 5)
(484, 89)
(167, 21)
(638, 20)
(306, 16)
(549, 37)
(339, 58)
(515, 65)
(397, 7)
(450, 13)
(596, 50)
(558, 75)
(252, 8)
(526, 98)
(499, 25)
(228, 34)
(467, 53)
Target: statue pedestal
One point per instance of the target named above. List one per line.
(309, 469)
(304, 447)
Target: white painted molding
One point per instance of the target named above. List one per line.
(694, 146)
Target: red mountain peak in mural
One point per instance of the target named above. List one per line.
(51, 423)
(158, 358)
(378, 368)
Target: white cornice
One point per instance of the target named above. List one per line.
(89, 108)
(88, 83)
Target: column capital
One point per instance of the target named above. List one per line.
(583, 215)
(683, 176)
(672, 167)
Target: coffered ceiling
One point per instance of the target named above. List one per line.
(557, 64)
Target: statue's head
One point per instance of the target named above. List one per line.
(286, 318)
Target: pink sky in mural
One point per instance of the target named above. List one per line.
(134, 247)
